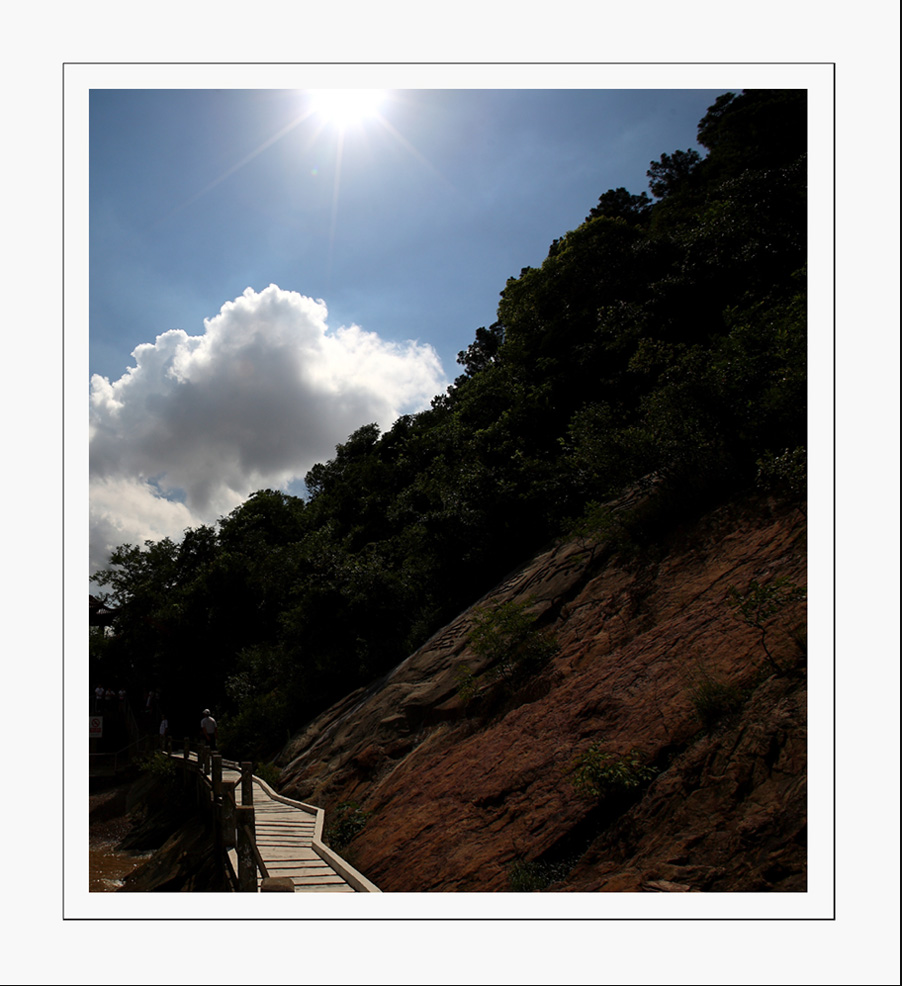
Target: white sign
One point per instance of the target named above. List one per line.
(96, 727)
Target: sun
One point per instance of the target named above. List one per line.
(346, 107)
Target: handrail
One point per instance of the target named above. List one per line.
(197, 768)
(332, 859)
(258, 859)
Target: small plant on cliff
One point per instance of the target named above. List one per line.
(759, 605)
(714, 699)
(603, 775)
(467, 684)
(506, 637)
(347, 821)
(527, 876)
(269, 773)
(600, 524)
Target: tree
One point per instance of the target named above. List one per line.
(137, 574)
(483, 351)
(672, 172)
(761, 128)
(617, 203)
(267, 517)
(359, 445)
(710, 127)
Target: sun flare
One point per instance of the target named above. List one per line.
(346, 107)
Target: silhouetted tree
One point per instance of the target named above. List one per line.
(671, 173)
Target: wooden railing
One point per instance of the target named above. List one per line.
(234, 822)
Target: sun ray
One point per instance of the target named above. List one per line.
(277, 136)
(333, 223)
(414, 152)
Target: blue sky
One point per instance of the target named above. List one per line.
(386, 241)
(435, 208)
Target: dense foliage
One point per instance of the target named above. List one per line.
(661, 338)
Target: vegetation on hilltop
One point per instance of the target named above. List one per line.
(663, 337)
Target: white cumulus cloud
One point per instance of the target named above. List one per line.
(199, 422)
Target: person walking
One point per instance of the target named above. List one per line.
(208, 729)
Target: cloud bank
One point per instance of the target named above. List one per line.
(199, 422)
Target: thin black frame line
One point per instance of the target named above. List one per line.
(832, 917)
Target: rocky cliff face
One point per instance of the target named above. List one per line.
(481, 795)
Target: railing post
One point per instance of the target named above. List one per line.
(228, 814)
(247, 783)
(246, 832)
(216, 774)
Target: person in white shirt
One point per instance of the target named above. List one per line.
(208, 729)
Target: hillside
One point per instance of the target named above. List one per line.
(479, 795)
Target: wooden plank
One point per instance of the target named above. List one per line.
(279, 853)
(286, 839)
(294, 823)
(302, 866)
(285, 832)
(314, 879)
(284, 825)
(343, 889)
(305, 877)
(281, 823)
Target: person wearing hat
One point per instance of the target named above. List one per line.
(208, 729)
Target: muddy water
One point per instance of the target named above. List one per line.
(108, 867)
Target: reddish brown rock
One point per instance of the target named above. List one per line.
(460, 793)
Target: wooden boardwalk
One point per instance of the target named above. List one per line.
(289, 843)
(289, 840)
